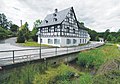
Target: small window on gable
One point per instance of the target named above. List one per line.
(46, 21)
(55, 14)
(67, 19)
(71, 14)
(55, 19)
(68, 29)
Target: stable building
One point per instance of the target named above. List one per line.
(61, 29)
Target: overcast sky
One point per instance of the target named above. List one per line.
(96, 14)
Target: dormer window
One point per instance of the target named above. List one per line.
(55, 19)
(46, 21)
(54, 14)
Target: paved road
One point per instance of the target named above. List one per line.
(9, 48)
(21, 54)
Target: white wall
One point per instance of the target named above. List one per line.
(63, 41)
(45, 40)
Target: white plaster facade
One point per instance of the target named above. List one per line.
(62, 41)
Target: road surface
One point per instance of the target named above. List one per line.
(10, 54)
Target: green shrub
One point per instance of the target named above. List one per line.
(22, 75)
(90, 59)
(59, 75)
(86, 79)
(20, 38)
(112, 77)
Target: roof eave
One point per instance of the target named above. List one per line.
(49, 25)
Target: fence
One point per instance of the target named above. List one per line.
(17, 56)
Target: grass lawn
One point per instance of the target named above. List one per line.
(98, 56)
(102, 59)
(63, 74)
(34, 44)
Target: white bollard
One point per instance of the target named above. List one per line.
(0, 68)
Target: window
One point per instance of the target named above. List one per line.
(68, 29)
(68, 41)
(71, 14)
(56, 41)
(50, 41)
(55, 14)
(55, 19)
(85, 40)
(55, 28)
(67, 19)
(73, 31)
(46, 21)
(41, 40)
(41, 29)
(74, 41)
(80, 40)
(49, 29)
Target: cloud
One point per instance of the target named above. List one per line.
(97, 15)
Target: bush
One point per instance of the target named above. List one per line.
(88, 59)
(86, 79)
(59, 75)
(20, 38)
(118, 39)
(112, 77)
(22, 75)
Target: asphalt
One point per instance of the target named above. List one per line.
(10, 49)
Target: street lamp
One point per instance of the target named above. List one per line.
(40, 42)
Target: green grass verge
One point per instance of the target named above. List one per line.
(39, 74)
(34, 44)
(97, 57)
(63, 74)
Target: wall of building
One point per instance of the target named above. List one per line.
(63, 41)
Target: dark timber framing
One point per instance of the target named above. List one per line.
(69, 27)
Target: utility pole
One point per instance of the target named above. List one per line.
(21, 23)
(40, 41)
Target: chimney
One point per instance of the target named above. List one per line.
(21, 22)
(56, 10)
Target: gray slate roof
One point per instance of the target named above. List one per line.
(60, 15)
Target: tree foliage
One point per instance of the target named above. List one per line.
(4, 27)
(109, 37)
(20, 38)
(35, 30)
(14, 28)
(4, 23)
(23, 33)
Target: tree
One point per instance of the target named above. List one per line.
(109, 37)
(20, 37)
(37, 23)
(119, 30)
(3, 33)
(4, 23)
(97, 38)
(93, 34)
(14, 28)
(35, 30)
(25, 30)
(114, 39)
(118, 39)
(107, 32)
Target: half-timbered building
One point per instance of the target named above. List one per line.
(61, 28)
